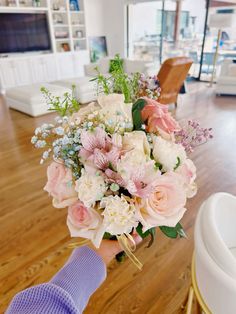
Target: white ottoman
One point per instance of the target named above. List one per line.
(85, 90)
(29, 99)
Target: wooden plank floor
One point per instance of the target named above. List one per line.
(34, 236)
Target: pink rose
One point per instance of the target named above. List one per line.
(159, 120)
(187, 171)
(60, 185)
(85, 222)
(165, 205)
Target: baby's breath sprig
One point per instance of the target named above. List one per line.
(64, 106)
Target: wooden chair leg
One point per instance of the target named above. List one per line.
(190, 301)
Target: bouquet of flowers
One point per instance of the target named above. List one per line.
(120, 168)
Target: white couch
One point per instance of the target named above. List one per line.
(86, 90)
(130, 66)
(226, 83)
(29, 99)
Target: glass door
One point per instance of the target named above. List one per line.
(220, 39)
(144, 31)
(159, 30)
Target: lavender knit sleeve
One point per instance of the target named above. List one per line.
(68, 291)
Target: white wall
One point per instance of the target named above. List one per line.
(94, 16)
(115, 26)
(107, 18)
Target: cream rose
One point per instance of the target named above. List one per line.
(119, 215)
(85, 222)
(60, 185)
(83, 112)
(90, 188)
(165, 205)
(130, 161)
(167, 153)
(114, 109)
(136, 140)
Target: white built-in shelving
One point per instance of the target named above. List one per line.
(66, 22)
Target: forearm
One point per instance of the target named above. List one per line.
(68, 291)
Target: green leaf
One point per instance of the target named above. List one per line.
(151, 232)
(158, 165)
(140, 231)
(181, 231)
(108, 236)
(120, 257)
(177, 164)
(173, 232)
(136, 113)
(139, 104)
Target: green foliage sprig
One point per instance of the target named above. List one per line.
(118, 81)
(150, 232)
(64, 106)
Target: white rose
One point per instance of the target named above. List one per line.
(79, 116)
(167, 153)
(114, 109)
(90, 188)
(119, 215)
(136, 140)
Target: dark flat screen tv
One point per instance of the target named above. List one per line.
(24, 32)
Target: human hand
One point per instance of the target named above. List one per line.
(110, 248)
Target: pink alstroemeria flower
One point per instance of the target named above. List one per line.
(140, 180)
(114, 177)
(158, 118)
(98, 149)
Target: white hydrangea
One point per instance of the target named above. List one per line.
(90, 188)
(167, 153)
(119, 215)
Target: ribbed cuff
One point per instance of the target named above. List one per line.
(83, 273)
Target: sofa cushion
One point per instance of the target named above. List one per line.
(31, 95)
(232, 69)
(83, 84)
(103, 65)
(29, 99)
(134, 66)
(85, 89)
(229, 80)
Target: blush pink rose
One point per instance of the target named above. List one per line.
(159, 120)
(187, 171)
(165, 205)
(85, 222)
(60, 185)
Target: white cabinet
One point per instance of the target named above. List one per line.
(20, 71)
(43, 69)
(24, 69)
(14, 72)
